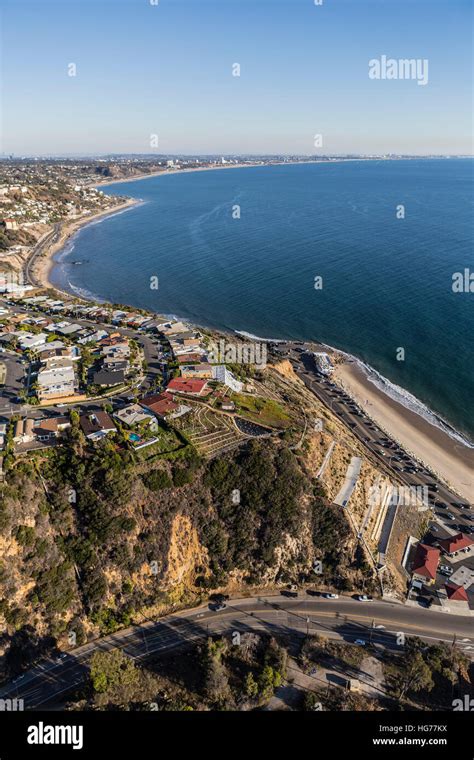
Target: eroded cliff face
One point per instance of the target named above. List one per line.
(185, 553)
(126, 547)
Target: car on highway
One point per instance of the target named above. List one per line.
(217, 606)
(19, 678)
(364, 598)
(331, 596)
(360, 642)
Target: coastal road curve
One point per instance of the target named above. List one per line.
(50, 682)
(50, 239)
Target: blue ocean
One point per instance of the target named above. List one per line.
(359, 255)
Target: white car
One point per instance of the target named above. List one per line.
(331, 596)
(364, 598)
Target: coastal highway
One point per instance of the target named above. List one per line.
(378, 622)
(50, 239)
(399, 465)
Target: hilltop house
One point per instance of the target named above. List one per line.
(50, 427)
(188, 387)
(425, 563)
(96, 425)
(57, 379)
(164, 406)
(135, 415)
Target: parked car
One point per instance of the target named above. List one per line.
(360, 642)
(331, 596)
(364, 598)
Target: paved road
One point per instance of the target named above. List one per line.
(345, 619)
(14, 383)
(390, 458)
(16, 371)
(39, 248)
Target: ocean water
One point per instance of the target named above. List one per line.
(386, 281)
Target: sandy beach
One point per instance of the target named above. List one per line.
(168, 172)
(44, 263)
(452, 461)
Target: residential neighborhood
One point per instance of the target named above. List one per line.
(116, 368)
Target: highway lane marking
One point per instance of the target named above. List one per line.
(335, 614)
(168, 634)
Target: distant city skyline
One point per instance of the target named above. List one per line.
(236, 77)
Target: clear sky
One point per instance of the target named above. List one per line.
(166, 70)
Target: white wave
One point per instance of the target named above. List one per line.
(406, 399)
(84, 293)
(68, 248)
(256, 337)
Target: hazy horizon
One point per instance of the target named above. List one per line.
(230, 77)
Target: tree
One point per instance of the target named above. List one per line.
(268, 681)
(114, 677)
(157, 479)
(416, 674)
(216, 684)
(251, 686)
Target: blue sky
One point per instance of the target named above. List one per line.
(167, 70)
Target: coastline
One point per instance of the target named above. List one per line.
(169, 172)
(44, 264)
(451, 459)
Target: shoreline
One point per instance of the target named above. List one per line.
(169, 172)
(451, 460)
(44, 265)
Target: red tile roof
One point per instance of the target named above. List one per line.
(181, 385)
(189, 359)
(456, 593)
(455, 543)
(160, 404)
(425, 561)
